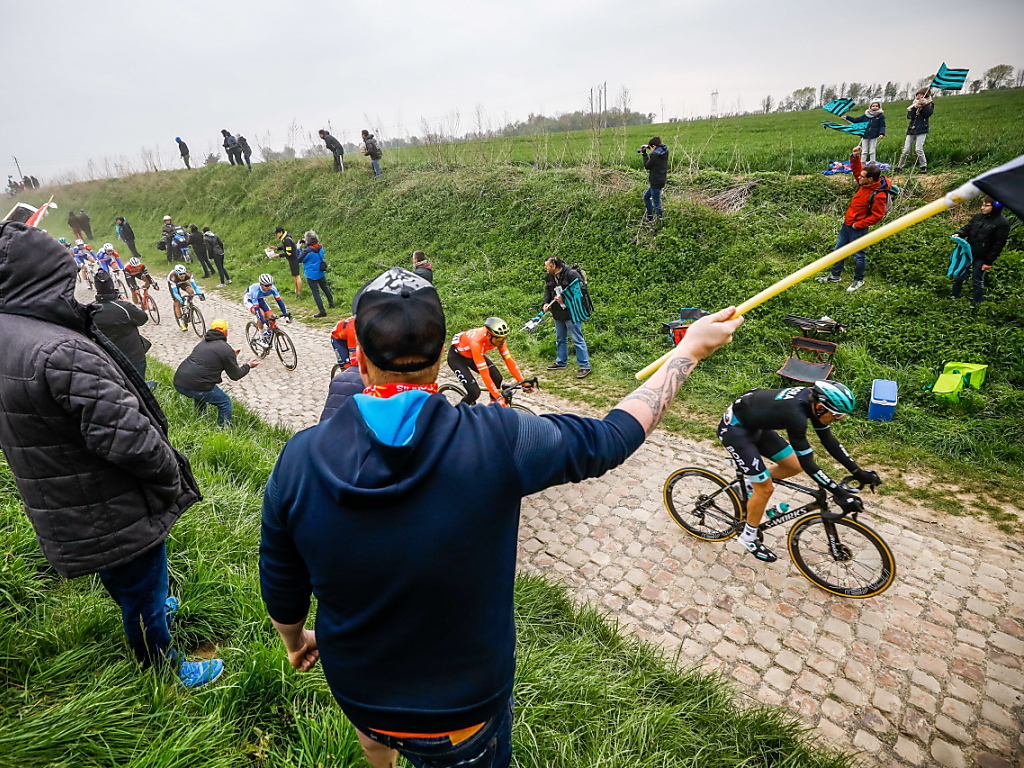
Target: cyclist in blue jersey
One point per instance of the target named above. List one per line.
(747, 431)
(180, 280)
(257, 299)
(107, 255)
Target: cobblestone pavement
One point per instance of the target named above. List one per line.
(929, 673)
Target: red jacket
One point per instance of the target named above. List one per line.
(862, 212)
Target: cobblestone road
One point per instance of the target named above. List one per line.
(929, 673)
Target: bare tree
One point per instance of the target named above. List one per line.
(998, 76)
(975, 86)
(891, 89)
(767, 103)
(1018, 81)
(623, 104)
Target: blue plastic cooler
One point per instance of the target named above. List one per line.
(883, 400)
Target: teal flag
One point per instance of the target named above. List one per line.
(950, 79)
(573, 295)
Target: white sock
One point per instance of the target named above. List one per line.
(749, 533)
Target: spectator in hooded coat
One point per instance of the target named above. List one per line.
(422, 266)
(120, 320)
(127, 234)
(371, 148)
(215, 249)
(231, 147)
(76, 225)
(335, 148)
(198, 245)
(313, 265)
(199, 374)
(657, 176)
(986, 233)
(183, 149)
(244, 150)
(85, 222)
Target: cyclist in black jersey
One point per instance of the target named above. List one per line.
(747, 431)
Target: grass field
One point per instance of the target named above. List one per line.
(70, 697)
(488, 226)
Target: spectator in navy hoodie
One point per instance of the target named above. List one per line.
(400, 513)
(657, 175)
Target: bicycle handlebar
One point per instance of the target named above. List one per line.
(505, 391)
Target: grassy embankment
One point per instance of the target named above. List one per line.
(488, 226)
(585, 694)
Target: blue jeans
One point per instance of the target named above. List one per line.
(575, 332)
(140, 589)
(375, 164)
(977, 283)
(216, 397)
(490, 747)
(848, 234)
(652, 199)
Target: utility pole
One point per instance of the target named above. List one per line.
(20, 174)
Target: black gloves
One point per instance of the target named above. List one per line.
(865, 478)
(847, 500)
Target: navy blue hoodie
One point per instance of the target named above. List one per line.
(401, 515)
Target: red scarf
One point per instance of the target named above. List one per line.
(388, 390)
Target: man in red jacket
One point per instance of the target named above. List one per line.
(868, 206)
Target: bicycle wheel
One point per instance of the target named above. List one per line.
(121, 284)
(285, 350)
(703, 504)
(517, 407)
(153, 309)
(865, 566)
(335, 370)
(452, 392)
(254, 340)
(197, 321)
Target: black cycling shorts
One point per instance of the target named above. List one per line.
(465, 370)
(747, 446)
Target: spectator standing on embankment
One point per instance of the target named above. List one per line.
(918, 113)
(183, 149)
(336, 149)
(986, 233)
(867, 206)
(87, 445)
(85, 222)
(197, 243)
(874, 116)
(657, 176)
(314, 267)
(127, 234)
(76, 225)
(371, 148)
(119, 321)
(244, 150)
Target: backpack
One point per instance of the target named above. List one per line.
(890, 193)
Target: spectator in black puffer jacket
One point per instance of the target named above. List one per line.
(986, 233)
(918, 113)
(199, 374)
(421, 266)
(120, 320)
(198, 246)
(87, 444)
(215, 250)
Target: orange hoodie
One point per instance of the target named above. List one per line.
(862, 212)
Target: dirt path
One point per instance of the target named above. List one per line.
(929, 673)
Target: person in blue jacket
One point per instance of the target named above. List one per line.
(874, 116)
(400, 513)
(313, 266)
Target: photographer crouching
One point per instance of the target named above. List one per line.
(656, 164)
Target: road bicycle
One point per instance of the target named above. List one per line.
(117, 276)
(832, 549)
(454, 393)
(147, 302)
(88, 272)
(261, 342)
(191, 316)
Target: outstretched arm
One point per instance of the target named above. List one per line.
(648, 402)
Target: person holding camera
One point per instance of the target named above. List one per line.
(656, 164)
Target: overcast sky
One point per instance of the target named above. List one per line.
(101, 78)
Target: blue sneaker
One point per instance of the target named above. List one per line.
(196, 674)
(171, 607)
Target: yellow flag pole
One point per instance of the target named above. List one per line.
(959, 195)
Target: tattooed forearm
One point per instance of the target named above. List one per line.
(648, 403)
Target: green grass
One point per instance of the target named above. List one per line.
(488, 220)
(586, 694)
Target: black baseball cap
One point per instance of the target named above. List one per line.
(278, 229)
(399, 315)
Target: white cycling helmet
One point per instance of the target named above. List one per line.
(180, 269)
(167, 218)
(134, 261)
(108, 247)
(266, 279)
(79, 242)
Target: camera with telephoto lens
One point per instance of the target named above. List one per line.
(641, 150)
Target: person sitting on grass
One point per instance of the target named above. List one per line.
(199, 374)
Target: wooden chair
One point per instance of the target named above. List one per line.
(810, 360)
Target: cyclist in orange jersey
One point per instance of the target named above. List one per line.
(468, 351)
(343, 339)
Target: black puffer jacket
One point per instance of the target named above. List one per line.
(918, 117)
(987, 235)
(201, 370)
(84, 437)
(214, 245)
(347, 383)
(119, 321)
(333, 144)
(562, 280)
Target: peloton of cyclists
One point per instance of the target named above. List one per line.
(107, 256)
(180, 280)
(256, 300)
(468, 351)
(134, 271)
(747, 430)
(82, 255)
